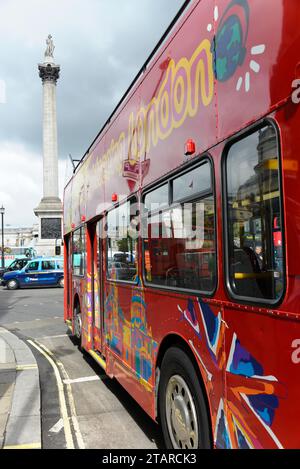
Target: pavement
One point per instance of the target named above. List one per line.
(101, 413)
(20, 398)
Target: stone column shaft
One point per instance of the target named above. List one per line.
(49, 73)
(50, 158)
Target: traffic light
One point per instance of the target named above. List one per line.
(57, 250)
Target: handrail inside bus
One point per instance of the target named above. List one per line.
(256, 275)
(143, 68)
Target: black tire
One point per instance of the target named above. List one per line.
(180, 395)
(12, 284)
(61, 282)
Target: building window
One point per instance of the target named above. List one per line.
(122, 241)
(78, 252)
(179, 241)
(254, 218)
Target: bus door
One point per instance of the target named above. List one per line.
(97, 287)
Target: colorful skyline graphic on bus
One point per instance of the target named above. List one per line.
(130, 339)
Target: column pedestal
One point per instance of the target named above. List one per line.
(49, 213)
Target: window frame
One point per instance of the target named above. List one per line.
(79, 228)
(57, 267)
(247, 300)
(191, 165)
(108, 279)
(49, 268)
(200, 195)
(31, 262)
(153, 188)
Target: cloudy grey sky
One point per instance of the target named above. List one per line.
(100, 46)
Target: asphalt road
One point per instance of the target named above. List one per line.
(99, 413)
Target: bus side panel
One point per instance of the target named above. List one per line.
(185, 66)
(288, 120)
(198, 323)
(263, 344)
(246, 52)
(138, 389)
(130, 345)
(262, 408)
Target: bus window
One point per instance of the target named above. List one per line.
(255, 264)
(192, 182)
(78, 252)
(179, 246)
(121, 242)
(158, 198)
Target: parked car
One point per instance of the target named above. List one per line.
(126, 257)
(17, 264)
(121, 271)
(44, 271)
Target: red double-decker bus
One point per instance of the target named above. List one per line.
(182, 230)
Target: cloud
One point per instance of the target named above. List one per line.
(21, 183)
(100, 46)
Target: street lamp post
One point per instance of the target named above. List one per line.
(2, 211)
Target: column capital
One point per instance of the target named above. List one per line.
(49, 72)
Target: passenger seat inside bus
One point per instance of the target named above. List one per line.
(245, 262)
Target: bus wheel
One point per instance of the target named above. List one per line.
(182, 407)
(12, 284)
(77, 322)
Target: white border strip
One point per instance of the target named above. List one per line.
(84, 379)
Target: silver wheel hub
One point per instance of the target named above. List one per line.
(77, 325)
(181, 414)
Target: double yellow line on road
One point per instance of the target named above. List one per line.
(56, 364)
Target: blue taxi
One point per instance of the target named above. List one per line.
(44, 271)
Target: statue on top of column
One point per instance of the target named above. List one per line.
(50, 47)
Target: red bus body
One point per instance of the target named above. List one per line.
(178, 98)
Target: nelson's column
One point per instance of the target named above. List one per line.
(49, 210)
